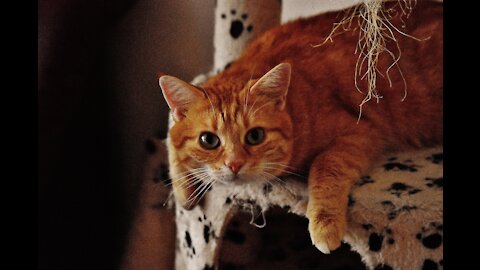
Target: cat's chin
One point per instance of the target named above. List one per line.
(237, 180)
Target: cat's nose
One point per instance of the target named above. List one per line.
(235, 165)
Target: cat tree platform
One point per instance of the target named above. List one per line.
(395, 218)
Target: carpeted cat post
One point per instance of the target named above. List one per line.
(237, 23)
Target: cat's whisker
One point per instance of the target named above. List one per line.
(199, 192)
(205, 190)
(196, 175)
(284, 171)
(261, 107)
(245, 106)
(280, 164)
(275, 177)
(194, 194)
(281, 167)
(170, 195)
(186, 174)
(196, 180)
(251, 107)
(211, 104)
(278, 181)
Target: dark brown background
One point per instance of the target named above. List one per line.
(98, 101)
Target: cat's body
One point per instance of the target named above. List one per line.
(305, 113)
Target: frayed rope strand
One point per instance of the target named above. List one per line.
(375, 30)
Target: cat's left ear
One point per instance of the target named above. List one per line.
(274, 85)
(179, 95)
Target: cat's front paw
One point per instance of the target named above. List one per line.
(326, 229)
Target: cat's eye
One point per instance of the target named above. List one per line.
(255, 136)
(209, 141)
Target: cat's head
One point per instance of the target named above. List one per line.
(231, 134)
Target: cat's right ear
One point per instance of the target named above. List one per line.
(179, 95)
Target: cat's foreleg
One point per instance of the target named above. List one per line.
(330, 179)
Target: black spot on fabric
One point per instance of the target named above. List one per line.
(233, 12)
(208, 267)
(223, 16)
(435, 182)
(399, 186)
(228, 200)
(367, 226)
(200, 219)
(206, 233)
(150, 146)
(364, 180)
(390, 240)
(188, 239)
(162, 174)
(413, 191)
(387, 203)
(236, 29)
(228, 65)
(432, 241)
(408, 208)
(351, 200)
(267, 188)
(383, 267)
(375, 241)
(436, 158)
(235, 236)
(237, 26)
(396, 166)
(429, 265)
(398, 189)
(193, 250)
(204, 217)
(393, 211)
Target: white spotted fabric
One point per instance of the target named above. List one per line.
(395, 217)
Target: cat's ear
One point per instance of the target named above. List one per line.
(179, 95)
(274, 84)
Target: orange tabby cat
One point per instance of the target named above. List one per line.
(285, 104)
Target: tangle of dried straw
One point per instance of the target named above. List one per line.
(375, 30)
